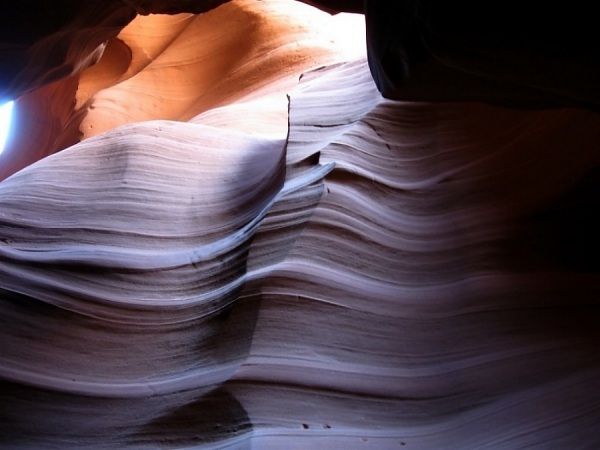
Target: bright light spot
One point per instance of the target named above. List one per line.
(5, 115)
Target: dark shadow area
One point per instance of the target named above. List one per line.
(213, 417)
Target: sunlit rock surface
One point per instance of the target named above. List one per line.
(175, 67)
(332, 270)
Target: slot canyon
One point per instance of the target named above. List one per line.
(286, 225)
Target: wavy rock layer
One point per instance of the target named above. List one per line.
(335, 270)
(176, 67)
(43, 43)
(388, 277)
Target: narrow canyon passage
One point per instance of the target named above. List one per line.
(221, 234)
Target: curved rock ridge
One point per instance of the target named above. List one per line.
(257, 47)
(175, 67)
(389, 275)
(178, 223)
(436, 258)
(43, 43)
(233, 259)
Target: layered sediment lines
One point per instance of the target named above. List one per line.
(368, 282)
(372, 274)
(176, 67)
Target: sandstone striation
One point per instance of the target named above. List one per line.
(222, 235)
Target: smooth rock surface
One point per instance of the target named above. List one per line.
(283, 258)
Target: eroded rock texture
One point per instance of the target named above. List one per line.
(234, 256)
(175, 67)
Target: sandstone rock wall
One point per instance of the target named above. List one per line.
(222, 235)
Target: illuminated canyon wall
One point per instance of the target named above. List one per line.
(219, 234)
